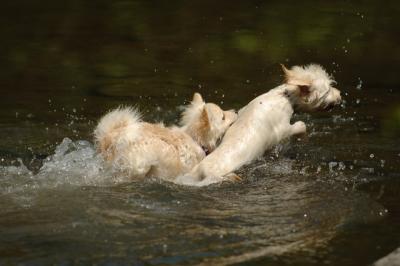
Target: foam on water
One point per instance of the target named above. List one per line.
(73, 163)
(77, 163)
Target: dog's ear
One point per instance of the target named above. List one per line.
(192, 110)
(197, 98)
(205, 119)
(292, 79)
(286, 72)
(304, 90)
(203, 129)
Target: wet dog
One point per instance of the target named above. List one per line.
(265, 121)
(153, 150)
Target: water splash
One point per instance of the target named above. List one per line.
(74, 163)
(360, 84)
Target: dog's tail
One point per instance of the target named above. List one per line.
(116, 129)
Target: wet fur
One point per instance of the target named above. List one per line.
(265, 121)
(153, 150)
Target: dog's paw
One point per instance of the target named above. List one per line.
(233, 177)
(299, 128)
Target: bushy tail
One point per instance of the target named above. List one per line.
(116, 128)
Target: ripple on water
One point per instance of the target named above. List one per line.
(74, 206)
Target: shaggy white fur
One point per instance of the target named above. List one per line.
(153, 150)
(265, 121)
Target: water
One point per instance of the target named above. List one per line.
(74, 204)
(328, 198)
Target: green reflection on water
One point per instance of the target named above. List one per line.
(57, 56)
(116, 39)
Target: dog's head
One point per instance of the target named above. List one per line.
(206, 123)
(310, 88)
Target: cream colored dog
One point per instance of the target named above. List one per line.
(153, 150)
(265, 121)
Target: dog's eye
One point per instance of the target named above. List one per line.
(223, 117)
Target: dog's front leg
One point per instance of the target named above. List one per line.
(298, 128)
(231, 177)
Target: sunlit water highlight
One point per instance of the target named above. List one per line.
(80, 204)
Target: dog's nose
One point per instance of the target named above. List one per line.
(337, 96)
(338, 100)
(233, 111)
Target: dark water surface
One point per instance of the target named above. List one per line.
(330, 198)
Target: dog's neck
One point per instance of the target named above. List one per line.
(198, 132)
(289, 93)
(285, 95)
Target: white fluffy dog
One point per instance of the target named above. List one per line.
(153, 150)
(265, 121)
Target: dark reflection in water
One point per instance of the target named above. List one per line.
(331, 197)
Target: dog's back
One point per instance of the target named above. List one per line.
(145, 149)
(116, 128)
(265, 121)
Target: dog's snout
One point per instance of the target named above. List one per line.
(333, 99)
(231, 115)
(331, 105)
(337, 96)
(338, 101)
